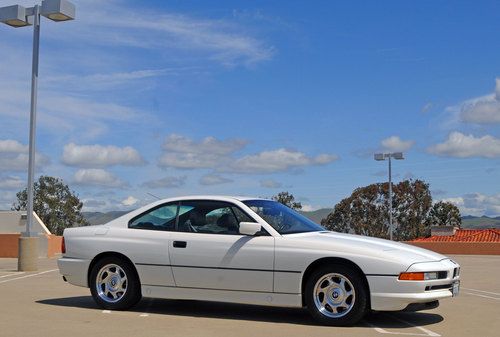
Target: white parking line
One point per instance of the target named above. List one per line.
(482, 291)
(106, 311)
(30, 275)
(481, 295)
(426, 332)
(143, 315)
(18, 273)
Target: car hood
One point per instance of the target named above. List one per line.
(359, 245)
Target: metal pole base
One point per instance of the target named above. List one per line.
(28, 254)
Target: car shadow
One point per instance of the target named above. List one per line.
(220, 310)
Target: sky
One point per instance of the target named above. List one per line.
(145, 99)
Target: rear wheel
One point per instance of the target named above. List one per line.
(336, 295)
(114, 284)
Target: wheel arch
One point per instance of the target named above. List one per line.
(332, 260)
(111, 254)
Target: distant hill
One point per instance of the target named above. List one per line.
(480, 222)
(468, 221)
(318, 214)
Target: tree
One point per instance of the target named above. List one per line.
(412, 203)
(366, 211)
(56, 205)
(445, 214)
(288, 200)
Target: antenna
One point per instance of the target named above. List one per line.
(154, 196)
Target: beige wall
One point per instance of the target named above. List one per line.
(466, 248)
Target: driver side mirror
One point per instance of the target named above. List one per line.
(249, 228)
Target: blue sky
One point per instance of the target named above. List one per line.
(252, 98)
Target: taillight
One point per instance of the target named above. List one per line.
(63, 246)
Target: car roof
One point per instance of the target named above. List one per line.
(213, 197)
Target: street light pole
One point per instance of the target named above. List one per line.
(390, 199)
(388, 156)
(17, 16)
(34, 93)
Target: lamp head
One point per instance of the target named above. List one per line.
(14, 16)
(58, 10)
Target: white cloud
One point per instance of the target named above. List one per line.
(12, 183)
(214, 179)
(100, 156)
(396, 144)
(216, 39)
(97, 177)
(12, 146)
(7, 199)
(464, 146)
(14, 156)
(482, 110)
(166, 182)
(276, 161)
(309, 208)
(477, 204)
(211, 145)
(184, 153)
(129, 201)
(270, 183)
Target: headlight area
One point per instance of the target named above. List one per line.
(423, 276)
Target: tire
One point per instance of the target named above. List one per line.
(336, 295)
(114, 284)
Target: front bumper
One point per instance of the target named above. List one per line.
(74, 270)
(387, 293)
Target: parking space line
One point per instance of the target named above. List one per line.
(482, 291)
(30, 275)
(106, 311)
(481, 295)
(18, 273)
(427, 331)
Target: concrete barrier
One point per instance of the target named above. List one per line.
(465, 248)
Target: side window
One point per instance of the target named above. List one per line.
(213, 217)
(159, 218)
(241, 216)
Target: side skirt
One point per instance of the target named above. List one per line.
(229, 296)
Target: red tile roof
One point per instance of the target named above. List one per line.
(466, 235)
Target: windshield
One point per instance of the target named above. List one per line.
(282, 218)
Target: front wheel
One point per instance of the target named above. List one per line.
(336, 295)
(114, 284)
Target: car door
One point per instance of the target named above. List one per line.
(149, 247)
(208, 252)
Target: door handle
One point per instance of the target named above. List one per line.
(180, 244)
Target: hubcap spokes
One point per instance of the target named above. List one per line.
(334, 295)
(111, 283)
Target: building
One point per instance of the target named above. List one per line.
(452, 240)
(13, 223)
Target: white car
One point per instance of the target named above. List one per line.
(252, 251)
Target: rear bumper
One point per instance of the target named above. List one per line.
(74, 270)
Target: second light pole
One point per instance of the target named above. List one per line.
(384, 156)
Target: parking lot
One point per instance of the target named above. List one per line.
(41, 304)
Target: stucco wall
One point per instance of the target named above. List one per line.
(466, 248)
